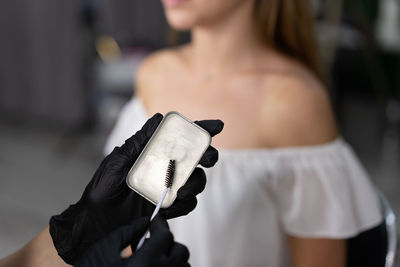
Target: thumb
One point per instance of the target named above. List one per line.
(131, 234)
(135, 144)
(160, 239)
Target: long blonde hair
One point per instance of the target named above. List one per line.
(288, 26)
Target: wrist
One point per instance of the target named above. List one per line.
(66, 230)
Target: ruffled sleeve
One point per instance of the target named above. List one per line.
(325, 192)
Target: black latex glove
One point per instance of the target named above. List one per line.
(108, 202)
(159, 250)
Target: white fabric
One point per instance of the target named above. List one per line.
(255, 197)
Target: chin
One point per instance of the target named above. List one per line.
(180, 21)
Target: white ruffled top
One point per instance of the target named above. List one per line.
(255, 197)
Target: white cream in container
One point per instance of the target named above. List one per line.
(176, 138)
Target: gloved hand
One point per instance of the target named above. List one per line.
(108, 202)
(159, 250)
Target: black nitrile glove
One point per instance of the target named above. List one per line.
(108, 202)
(159, 250)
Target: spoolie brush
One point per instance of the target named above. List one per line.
(169, 178)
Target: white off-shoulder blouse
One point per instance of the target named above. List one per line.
(255, 197)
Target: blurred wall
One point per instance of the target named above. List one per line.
(41, 61)
(133, 22)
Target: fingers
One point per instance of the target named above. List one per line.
(178, 255)
(194, 185)
(160, 249)
(125, 155)
(213, 127)
(160, 239)
(186, 200)
(209, 158)
(135, 144)
(118, 163)
(131, 234)
(179, 208)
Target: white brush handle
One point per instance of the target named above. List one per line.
(140, 244)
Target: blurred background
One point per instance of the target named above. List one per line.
(67, 68)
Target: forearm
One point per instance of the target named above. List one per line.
(38, 252)
(308, 252)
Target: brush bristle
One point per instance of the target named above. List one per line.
(169, 177)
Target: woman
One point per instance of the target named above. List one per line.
(287, 190)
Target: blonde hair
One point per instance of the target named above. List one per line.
(288, 26)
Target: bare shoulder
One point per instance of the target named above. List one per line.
(297, 111)
(153, 70)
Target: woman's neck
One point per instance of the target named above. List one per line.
(222, 45)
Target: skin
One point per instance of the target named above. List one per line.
(38, 252)
(226, 73)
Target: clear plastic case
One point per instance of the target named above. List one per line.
(176, 138)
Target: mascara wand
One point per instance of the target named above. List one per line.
(169, 177)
